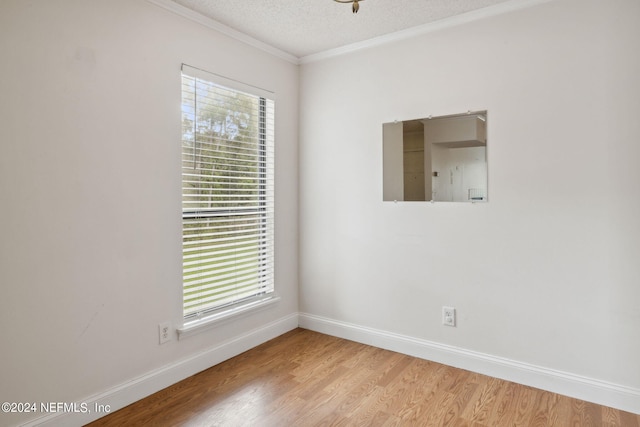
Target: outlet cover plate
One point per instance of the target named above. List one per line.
(449, 316)
(164, 332)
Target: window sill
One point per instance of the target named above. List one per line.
(196, 326)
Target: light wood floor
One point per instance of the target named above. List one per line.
(304, 378)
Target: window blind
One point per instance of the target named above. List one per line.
(227, 193)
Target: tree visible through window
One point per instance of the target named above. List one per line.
(227, 194)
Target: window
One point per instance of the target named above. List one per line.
(227, 194)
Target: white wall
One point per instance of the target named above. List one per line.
(90, 225)
(547, 272)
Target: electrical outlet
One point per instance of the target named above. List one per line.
(449, 316)
(164, 331)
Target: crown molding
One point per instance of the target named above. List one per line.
(217, 26)
(408, 33)
(453, 21)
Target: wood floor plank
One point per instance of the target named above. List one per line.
(369, 417)
(392, 374)
(409, 391)
(457, 407)
(628, 419)
(304, 378)
(420, 399)
(506, 406)
(435, 410)
(563, 411)
(333, 394)
(483, 406)
(524, 407)
(586, 414)
(610, 417)
(544, 413)
(460, 379)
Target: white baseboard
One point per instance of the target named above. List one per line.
(131, 391)
(592, 390)
(565, 383)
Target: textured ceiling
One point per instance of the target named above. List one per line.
(306, 27)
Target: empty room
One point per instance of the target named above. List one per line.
(320, 212)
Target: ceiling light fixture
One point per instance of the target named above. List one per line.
(355, 6)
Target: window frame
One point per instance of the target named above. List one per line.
(264, 209)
